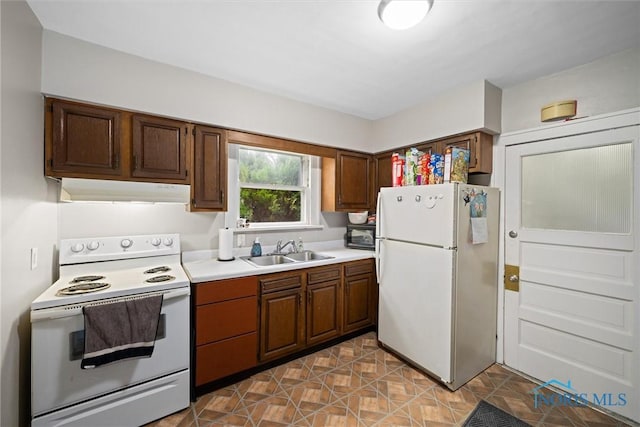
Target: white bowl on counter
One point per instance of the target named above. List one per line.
(358, 217)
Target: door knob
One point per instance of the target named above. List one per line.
(513, 278)
(513, 234)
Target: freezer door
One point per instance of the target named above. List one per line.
(416, 304)
(421, 214)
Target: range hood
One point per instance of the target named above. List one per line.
(97, 190)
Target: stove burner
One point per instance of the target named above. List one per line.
(161, 269)
(81, 279)
(158, 279)
(82, 288)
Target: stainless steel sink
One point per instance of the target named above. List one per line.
(267, 260)
(307, 256)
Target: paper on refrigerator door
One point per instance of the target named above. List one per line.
(478, 214)
(479, 233)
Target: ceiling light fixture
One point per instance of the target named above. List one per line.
(403, 14)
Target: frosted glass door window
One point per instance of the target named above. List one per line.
(588, 189)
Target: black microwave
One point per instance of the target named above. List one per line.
(361, 236)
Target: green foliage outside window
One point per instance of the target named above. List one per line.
(271, 171)
(264, 205)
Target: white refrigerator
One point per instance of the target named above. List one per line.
(437, 264)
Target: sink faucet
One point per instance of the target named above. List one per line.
(280, 247)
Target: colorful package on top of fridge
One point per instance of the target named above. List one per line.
(424, 168)
(397, 170)
(456, 164)
(436, 169)
(413, 174)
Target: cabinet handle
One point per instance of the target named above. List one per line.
(135, 162)
(116, 161)
(300, 299)
(309, 298)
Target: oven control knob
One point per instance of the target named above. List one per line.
(168, 241)
(156, 241)
(77, 247)
(126, 243)
(92, 246)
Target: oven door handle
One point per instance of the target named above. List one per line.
(76, 309)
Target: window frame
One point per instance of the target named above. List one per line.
(310, 197)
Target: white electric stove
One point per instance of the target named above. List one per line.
(128, 392)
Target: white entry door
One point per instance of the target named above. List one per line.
(571, 225)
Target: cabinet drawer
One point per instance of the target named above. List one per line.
(318, 275)
(223, 290)
(280, 282)
(361, 267)
(217, 360)
(226, 319)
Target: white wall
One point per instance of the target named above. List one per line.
(467, 108)
(28, 205)
(609, 84)
(198, 230)
(79, 70)
(76, 69)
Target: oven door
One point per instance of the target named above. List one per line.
(57, 342)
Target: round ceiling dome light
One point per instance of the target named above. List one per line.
(403, 14)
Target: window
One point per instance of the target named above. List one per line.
(272, 188)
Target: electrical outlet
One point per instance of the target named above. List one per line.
(241, 240)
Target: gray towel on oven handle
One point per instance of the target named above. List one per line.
(120, 330)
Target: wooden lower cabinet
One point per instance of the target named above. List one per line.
(308, 307)
(360, 295)
(226, 319)
(323, 304)
(281, 315)
(243, 322)
(226, 357)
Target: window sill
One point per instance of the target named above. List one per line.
(257, 229)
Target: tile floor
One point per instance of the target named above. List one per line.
(357, 384)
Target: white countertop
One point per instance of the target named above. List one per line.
(203, 266)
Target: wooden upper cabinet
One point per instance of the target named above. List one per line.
(81, 140)
(159, 149)
(352, 180)
(346, 182)
(480, 146)
(209, 177)
(383, 176)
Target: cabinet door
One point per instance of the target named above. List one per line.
(383, 173)
(322, 311)
(360, 296)
(85, 141)
(222, 358)
(480, 146)
(281, 323)
(352, 180)
(429, 147)
(358, 304)
(159, 149)
(209, 177)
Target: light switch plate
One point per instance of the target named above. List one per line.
(34, 258)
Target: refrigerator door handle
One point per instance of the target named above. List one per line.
(378, 217)
(378, 259)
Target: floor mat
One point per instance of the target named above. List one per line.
(487, 415)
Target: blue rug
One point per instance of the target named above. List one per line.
(487, 415)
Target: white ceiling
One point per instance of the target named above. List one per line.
(337, 54)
